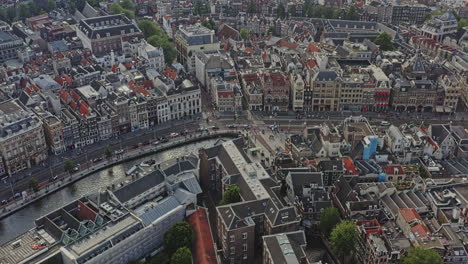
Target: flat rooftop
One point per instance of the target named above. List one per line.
(24, 249)
(90, 242)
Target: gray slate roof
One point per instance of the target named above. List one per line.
(131, 190)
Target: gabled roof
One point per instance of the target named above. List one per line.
(410, 214)
(323, 76)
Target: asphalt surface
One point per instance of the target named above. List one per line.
(54, 165)
(287, 121)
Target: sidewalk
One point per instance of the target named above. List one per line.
(66, 179)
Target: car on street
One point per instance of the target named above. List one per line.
(54, 178)
(384, 123)
(4, 202)
(164, 140)
(202, 129)
(174, 134)
(119, 151)
(75, 169)
(214, 127)
(157, 142)
(231, 126)
(97, 159)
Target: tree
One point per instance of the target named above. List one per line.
(33, 184)
(160, 258)
(280, 11)
(68, 165)
(251, 9)
(329, 218)
(306, 9)
(292, 11)
(11, 13)
(462, 23)
(182, 256)
(343, 238)
(178, 236)
(116, 8)
(127, 4)
(4, 14)
(209, 23)
(149, 28)
(32, 7)
(244, 33)
(24, 11)
(197, 9)
(51, 5)
(231, 195)
(129, 13)
(384, 40)
(352, 14)
(108, 152)
(422, 256)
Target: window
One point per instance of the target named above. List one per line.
(244, 235)
(231, 238)
(244, 256)
(232, 250)
(244, 247)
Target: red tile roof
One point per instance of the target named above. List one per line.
(84, 108)
(285, 43)
(420, 230)
(75, 96)
(410, 214)
(204, 251)
(349, 166)
(312, 48)
(73, 105)
(64, 95)
(311, 63)
(394, 170)
(28, 91)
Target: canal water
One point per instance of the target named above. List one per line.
(23, 220)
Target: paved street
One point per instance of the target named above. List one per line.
(54, 165)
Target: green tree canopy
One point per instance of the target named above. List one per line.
(127, 4)
(117, 8)
(209, 23)
(182, 256)
(384, 40)
(343, 238)
(244, 33)
(24, 11)
(178, 236)
(158, 38)
(352, 14)
(231, 195)
(51, 5)
(422, 256)
(160, 258)
(462, 23)
(68, 165)
(329, 218)
(251, 9)
(280, 11)
(108, 152)
(33, 184)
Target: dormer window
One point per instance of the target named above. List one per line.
(98, 36)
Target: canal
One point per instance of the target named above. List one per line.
(23, 220)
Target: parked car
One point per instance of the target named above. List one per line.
(119, 151)
(174, 134)
(164, 140)
(231, 126)
(214, 127)
(384, 123)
